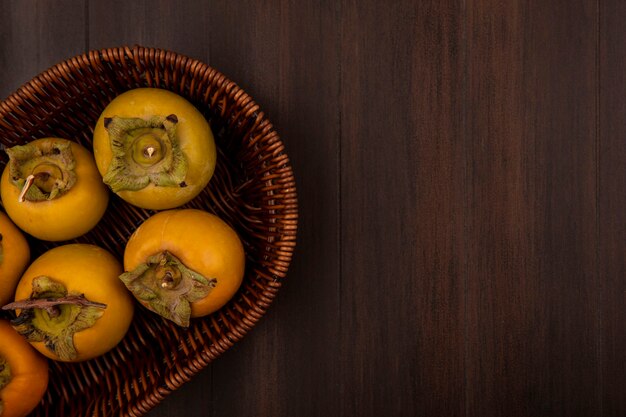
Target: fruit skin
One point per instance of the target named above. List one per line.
(68, 216)
(202, 241)
(16, 254)
(92, 271)
(29, 373)
(193, 131)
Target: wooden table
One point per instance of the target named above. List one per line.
(461, 178)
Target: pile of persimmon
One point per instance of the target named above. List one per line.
(154, 150)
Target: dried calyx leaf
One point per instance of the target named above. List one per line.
(167, 287)
(53, 316)
(5, 377)
(42, 170)
(144, 152)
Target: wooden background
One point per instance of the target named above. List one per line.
(460, 169)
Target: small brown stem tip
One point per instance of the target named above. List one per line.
(26, 187)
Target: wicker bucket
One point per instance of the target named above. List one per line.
(253, 190)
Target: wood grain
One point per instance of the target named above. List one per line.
(402, 179)
(160, 23)
(612, 206)
(35, 35)
(532, 297)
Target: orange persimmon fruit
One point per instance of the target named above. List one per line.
(52, 190)
(14, 257)
(183, 263)
(72, 306)
(154, 149)
(23, 374)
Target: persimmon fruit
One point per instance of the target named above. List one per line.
(183, 263)
(52, 190)
(72, 306)
(23, 374)
(14, 257)
(154, 149)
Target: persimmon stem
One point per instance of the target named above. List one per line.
(166, 286)
(29, 182)
(51, 304)
(144, 152)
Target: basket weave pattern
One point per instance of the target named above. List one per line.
(253, 189)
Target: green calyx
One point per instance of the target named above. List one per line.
(144, 152)
(168, 287)
(5, 376)
(43, 170)
(53, 316)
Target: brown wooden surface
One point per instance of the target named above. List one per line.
(461, 179)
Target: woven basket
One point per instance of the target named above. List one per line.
(253, 189)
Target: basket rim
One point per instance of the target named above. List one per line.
(287, 227)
